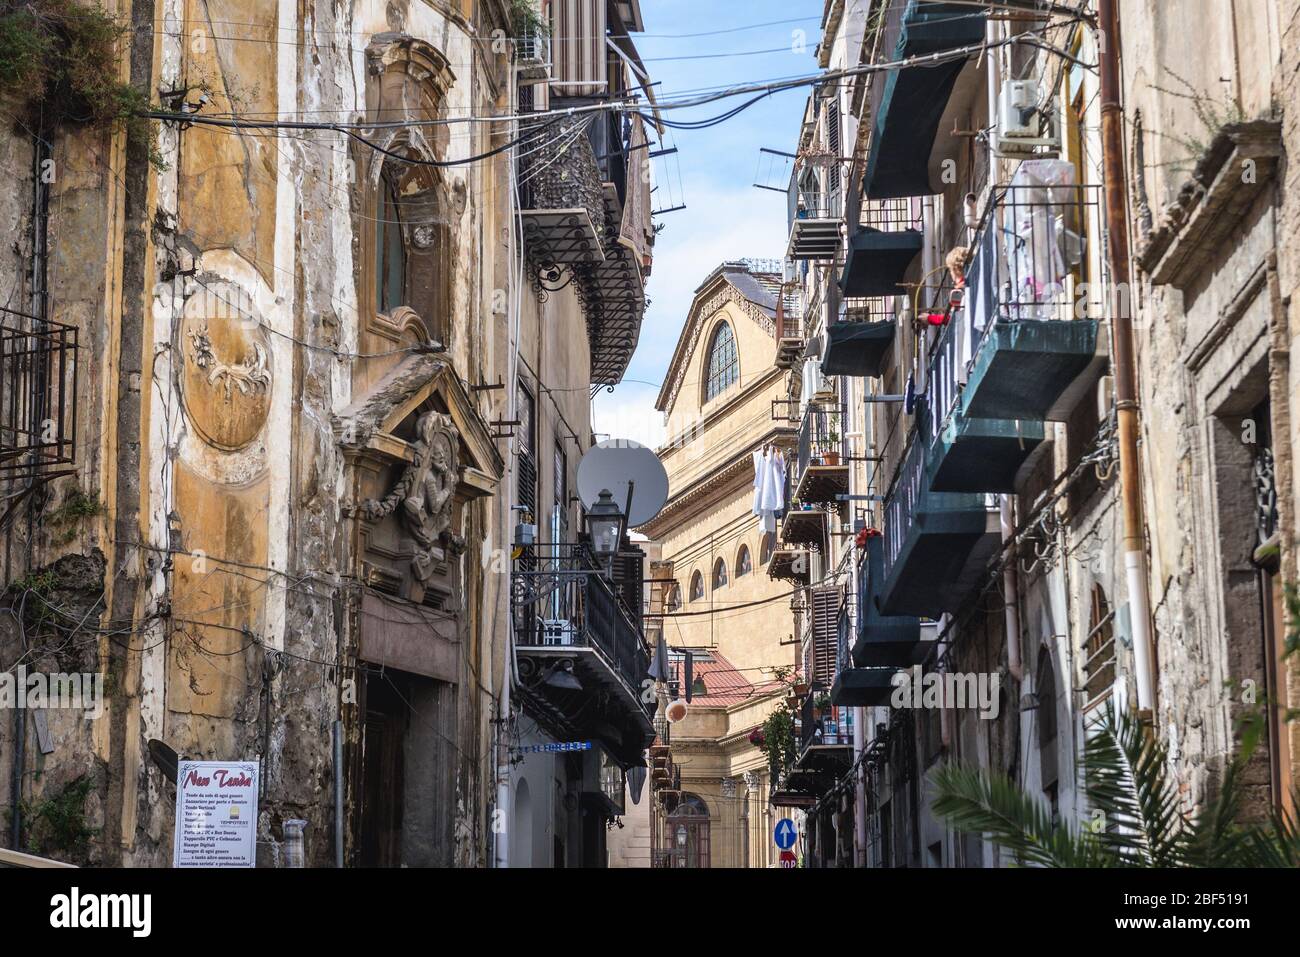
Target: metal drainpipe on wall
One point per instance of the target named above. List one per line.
(1126, 398)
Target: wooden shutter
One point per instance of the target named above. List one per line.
(833, 144)
(825, 629)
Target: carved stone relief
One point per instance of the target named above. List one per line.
(226, 371)
(422, 498)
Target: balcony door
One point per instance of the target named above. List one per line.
(687, 834)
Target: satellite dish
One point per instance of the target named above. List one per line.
(616, 463)
(675, 711)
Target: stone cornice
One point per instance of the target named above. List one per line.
(698, 492)
(1226, 182)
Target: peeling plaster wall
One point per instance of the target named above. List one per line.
(238, 601)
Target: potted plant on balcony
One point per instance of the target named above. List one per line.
(831, 454)
(821, 704)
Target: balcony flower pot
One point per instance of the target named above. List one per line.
(831, 458)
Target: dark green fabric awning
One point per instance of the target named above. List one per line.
(915, 98)
(863, 687)
(882, 639)
(857, 348)
(877, 261)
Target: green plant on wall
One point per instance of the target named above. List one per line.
(76, 507)
(57, 825)
(526, 19)
(62, 59)
(778, 741)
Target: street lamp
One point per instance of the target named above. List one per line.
(605, 525)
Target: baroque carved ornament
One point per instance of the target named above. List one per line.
(422, 498)
(225, 370)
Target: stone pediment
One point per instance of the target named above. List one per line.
(376, 420)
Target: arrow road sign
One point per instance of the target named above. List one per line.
(784, 834)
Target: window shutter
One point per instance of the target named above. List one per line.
(826, 613)
(833, 144)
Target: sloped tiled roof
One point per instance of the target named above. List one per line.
(726, 686)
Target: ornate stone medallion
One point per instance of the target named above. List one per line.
(226, 369)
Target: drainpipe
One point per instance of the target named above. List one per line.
(1011, 585)
(1126, 404)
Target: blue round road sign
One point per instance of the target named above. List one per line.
(784, 834)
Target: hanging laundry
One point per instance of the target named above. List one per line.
(769, 486)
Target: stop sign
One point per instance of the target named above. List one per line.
(788, 859)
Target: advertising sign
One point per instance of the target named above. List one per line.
(216, 814)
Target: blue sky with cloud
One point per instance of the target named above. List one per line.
(726, 217)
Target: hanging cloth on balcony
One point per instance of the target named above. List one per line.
(769, 486)
(1033, 237)
(979, 304)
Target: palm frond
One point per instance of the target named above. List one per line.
(977, 802)
(1277, 845)
(1125, 777)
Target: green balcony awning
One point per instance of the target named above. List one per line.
(940, 548)
(1021, 369)
(915, 98)
(863, 687)
(982, 455)
(877, 261)
(882, 639)
(858, 348)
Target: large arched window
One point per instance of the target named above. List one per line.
(719, 574)
(697, 586)
(687, 833)
(724, 363)
(744, 565)
(765, 550)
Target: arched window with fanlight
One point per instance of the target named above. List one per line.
(723, 362)
(719, 574)
(686, 833)
(766, 547)
(744, 565)
(697, 586)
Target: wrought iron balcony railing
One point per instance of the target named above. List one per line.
(1019, 334)
(38, 397)
(562, 599)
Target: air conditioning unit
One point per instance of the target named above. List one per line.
(533, 56)
(1022, 106)
(558, 632)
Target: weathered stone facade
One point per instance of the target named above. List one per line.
(294, 466)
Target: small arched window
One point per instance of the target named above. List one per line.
(744, 565)
(719, 574)
(765, 549)
(697, 586)
(673, 601)
(724, 363)
(686, 834)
